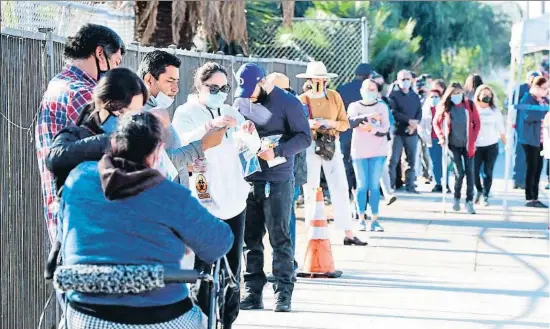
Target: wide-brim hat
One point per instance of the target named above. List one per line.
(316, 70)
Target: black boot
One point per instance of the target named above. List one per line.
(252, 301)
(282, 302)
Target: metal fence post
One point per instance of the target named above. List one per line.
(49, 52)
(364, 40)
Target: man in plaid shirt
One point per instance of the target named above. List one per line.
(94, 50)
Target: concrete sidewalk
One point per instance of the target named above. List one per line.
(428, 270)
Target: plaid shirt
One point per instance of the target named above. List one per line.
(66, 96)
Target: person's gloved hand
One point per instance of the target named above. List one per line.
(222, 121)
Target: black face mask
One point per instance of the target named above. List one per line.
(487, 99)
(262, 97)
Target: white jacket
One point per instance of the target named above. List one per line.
(221, 187)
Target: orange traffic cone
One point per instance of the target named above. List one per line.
(318, 262)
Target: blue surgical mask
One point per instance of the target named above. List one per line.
(456, 99)
(434, 101)
(405, 84)
(163, 100)
(214, 101)
(109, 125)
(369, 96)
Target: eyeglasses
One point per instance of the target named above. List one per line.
(214, 89)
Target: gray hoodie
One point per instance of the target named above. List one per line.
(181, 156)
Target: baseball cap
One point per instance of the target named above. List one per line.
(364, 69)
(248, 76)
(532, 74)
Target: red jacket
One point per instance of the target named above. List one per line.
(474, 124)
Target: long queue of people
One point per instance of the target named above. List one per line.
(125, 184)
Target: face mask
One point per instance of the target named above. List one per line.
(435, 101)
(163, 100)
(486, 99)
(369, 96)
(216, 100)
(456, 99)
(109, 125)
(405, 84)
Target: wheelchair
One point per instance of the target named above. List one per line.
(142, 278)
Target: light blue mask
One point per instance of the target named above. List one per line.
(405, 84)
(109, 125)
(457, 99)
(434, 101)
(214, 101)
(369, 96)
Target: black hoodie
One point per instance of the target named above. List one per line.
(76, 144)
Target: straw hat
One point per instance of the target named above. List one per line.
(316, 70)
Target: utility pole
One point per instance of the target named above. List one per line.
(527, 9)
(542, 9)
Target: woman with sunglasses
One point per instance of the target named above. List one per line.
(217, 179)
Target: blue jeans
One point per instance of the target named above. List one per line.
(293, 218)
(368, 172)
(436, 153)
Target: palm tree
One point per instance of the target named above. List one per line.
(221, 23)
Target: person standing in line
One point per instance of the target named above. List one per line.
(385, 183)
(428, 133)
(531, 139)
(370, 122)
(90, 53)
(350, 92)
(273, 111)
(492, 130)
(327, 117)
(519, 155)
(473, 81)
(160, 72)
(546, 133)
(300, 166)
(407, 110)
(423, 164)
(218, 183)
(461, 118)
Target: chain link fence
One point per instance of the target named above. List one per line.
(340, 43)
(29, 60)
(66, 17)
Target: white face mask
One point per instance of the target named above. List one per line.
(163, 100)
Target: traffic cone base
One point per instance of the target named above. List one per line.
(318, 261)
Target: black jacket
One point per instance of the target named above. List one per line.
(404, 107)
(76, 144)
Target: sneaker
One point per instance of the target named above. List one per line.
(282, 302)
(362, 226)
(354, 241)
(470, 207)
(531, 204)
(300, 201)
(437, 189)
(412, 190)
(456, 205)
(486, 201)
(252, 302)
(547, 187)
(376, 227)
(478, 197)
(392, 199)
(448, 189)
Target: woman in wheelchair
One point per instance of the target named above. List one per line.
(121, 211)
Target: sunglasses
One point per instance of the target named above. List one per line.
(214, 89)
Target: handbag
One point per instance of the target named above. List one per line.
(324, 138)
